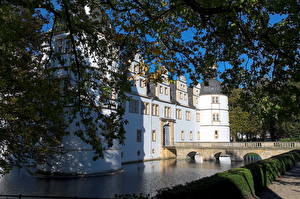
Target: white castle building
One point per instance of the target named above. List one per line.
(159, 115)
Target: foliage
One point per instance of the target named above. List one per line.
(275, 108)
(242, 122)
(262, 56)
(245, 182)
(41, 98)
(31, 112)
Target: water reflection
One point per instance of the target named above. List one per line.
(144, 177)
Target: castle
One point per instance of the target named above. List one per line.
(159, 116)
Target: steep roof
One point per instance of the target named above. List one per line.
(213, 87)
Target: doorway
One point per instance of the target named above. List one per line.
(166, 135)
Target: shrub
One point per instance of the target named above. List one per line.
(244, 182)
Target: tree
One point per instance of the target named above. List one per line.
(262, 55)
(31, 116)
(44, 92)
(242, 122)
(256, 41)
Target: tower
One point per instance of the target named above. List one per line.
(214, 114)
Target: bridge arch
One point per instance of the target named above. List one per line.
(217, 155)
(191, 155)
(251, 157)
(194, 156)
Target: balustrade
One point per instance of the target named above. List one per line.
(237, 145)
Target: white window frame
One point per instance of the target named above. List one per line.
(216, 117)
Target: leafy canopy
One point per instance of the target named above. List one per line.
(257, 53)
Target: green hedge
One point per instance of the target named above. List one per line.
(244, 182)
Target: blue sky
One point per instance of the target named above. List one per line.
(187, 35)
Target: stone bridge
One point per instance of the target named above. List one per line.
(238, 151)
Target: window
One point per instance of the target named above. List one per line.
(145, 108)
(184, 96)
(216, 134)
(139, 135)
(182, 86)
(60, 45)
(138, 153)
(142, 83)
(167, 112)
(215, 99)
(153, 136)
(181, 95)
(166, 91)
(68, 47)
(136, 68)
(178, 114)
(188, 115)
(182, 135)
(133, 106)
(123, 104)
(196, 100)
(198, 135)
(198, 117)
(191, 135)
(215, 117)
(155, 110)
(161, 89)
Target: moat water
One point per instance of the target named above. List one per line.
(145, 178)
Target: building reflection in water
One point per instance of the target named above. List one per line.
(146, 177)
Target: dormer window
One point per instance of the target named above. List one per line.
(161, 90)
(166, 91)
(62, 45)
(136, 68)
(142, 83)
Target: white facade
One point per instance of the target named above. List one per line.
(196, 117)
(159, 115)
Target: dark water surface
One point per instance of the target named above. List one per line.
(144, 177)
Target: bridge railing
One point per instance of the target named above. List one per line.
(237, 145)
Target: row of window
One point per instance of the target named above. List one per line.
(164, 90)
(145, 109)
(139, 136)
(183, 96)
(63, 46)
(141, 83)
(182, 135)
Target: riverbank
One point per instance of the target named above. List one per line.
(245, 182)
(286, 186)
